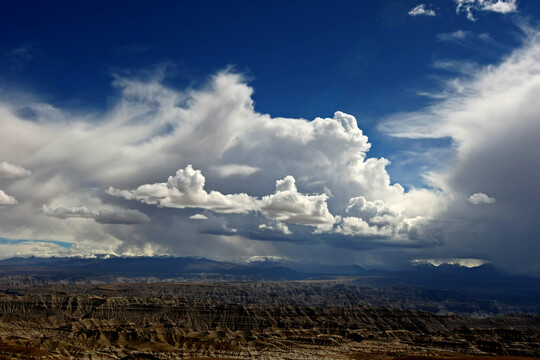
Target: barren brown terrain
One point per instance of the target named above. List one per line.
(210, 321)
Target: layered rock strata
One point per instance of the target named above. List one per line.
(97, 326)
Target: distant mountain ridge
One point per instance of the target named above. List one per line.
(182, 265)
(488, 288)
(169, 265)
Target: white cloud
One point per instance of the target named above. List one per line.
(116, 216)
(234, 170)
(469, 116)
(374, 211)
(198, 217)
(466, 262)
(460, 67)
(480, 198)
(263, 258)
(8, 170)
(492, 122)
(499, 6)
(151, 131)
(186, 190)
(376, 220)
(68, 212)
(355, 226)
(421, 10)
(6, 199)
(288, 205)
(469, 39)
(456, 36)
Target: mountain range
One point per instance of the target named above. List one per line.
(481, 290)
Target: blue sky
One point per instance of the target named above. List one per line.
(102, 102)
(304, 58)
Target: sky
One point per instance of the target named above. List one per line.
(378, 133)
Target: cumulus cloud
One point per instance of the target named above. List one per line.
(6, 199)
(265, 177)
(374, 211)
(198, 217)
(186, 190)
(8, 170)
(376, 220)
(499, 6)
(288, 205)
(357, 226)
(421, 10)
(480, 198)
(369, 218)
(117, 216)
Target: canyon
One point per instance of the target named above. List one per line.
(241, 321)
